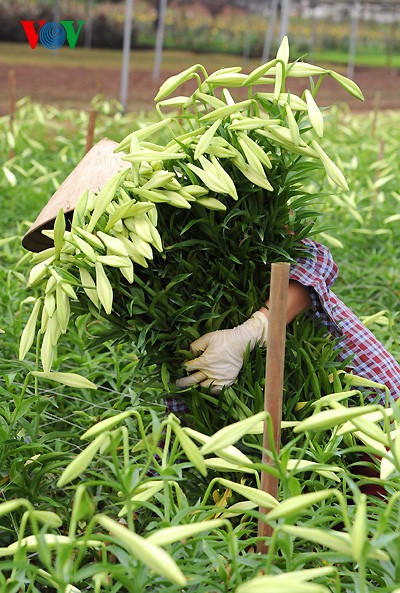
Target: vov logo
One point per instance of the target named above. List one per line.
(52, 35)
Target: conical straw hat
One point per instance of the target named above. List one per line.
(91, 173)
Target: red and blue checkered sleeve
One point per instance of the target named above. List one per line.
(370, 359)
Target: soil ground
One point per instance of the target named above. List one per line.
(74, 83)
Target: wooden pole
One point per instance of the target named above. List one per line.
(12, 92)
(12, 83)
(99, 84)
(273, 392)
(90, 130)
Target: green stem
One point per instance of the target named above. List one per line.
(75, 508)
(167, 502)
(125, 439)
(37, 354)
(35, 529)
(387, 513)
(271, 551)
(166, 447)
(362, 581)
(203, 71)
(319, 82)
(208, 491)
(178, 492)
(343, 507)
(233, 548)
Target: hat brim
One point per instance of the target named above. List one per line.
(91, 173)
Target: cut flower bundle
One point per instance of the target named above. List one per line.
(177, 243)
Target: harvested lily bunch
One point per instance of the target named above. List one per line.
(180, 241)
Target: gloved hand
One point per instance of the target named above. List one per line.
(223, 352)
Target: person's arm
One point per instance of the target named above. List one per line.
(298, 301)
(220, 353)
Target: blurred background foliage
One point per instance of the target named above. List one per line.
(220, 26)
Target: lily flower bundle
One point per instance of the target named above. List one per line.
(180, 241)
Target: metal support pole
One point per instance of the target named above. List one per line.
(269, 33)
(126, 53)
(285, 14)
(89, 25)
(247, 37)
(57, 17)
(159, 39)
(355, 17)
(57, 11)
(313, 29)
(273, 393)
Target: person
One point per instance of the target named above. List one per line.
(219, 354)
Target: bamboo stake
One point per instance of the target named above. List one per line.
(90, 130)
(12, 91)
(375, 112)
(99, 83)
(93, 114)
(273, 392)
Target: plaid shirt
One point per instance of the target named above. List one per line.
(370, 359)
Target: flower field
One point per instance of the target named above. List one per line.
(102, 491)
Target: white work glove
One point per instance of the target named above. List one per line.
(223, 352)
